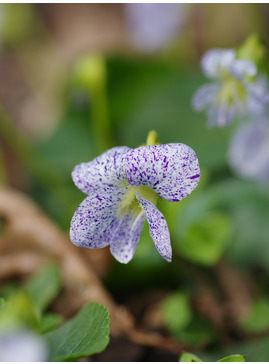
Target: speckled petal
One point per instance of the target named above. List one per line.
(96, 219)
(105, 170)
(216, 61)
(205, 96)
(125, 240)
(171, 170)
(241, 68)
(158, 228)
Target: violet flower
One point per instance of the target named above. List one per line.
(249, 150)
(237, 91)
(122, 186)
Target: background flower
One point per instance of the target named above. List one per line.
(235, 92)
(151, 26)
(22, 346)
(249, 150)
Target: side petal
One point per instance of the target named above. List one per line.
(103, 170)
(96, 220)
(171, 170)
(241, 68)
(205, 96)
(126, 238)
(158, 228)
(216, 61)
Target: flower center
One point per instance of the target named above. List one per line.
(131, 204)
(231, 91)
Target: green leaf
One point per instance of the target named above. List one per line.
(18, 311)
(258, 319)
(176, 312)
(50, 322)
(205, 240)
(84, 335)
(187, 357)
(44, 287)
(233, 358)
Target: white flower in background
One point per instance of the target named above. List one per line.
(248, 154)
(237, 91)
(22, 346)
(151, 26)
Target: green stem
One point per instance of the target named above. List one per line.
(91, 72)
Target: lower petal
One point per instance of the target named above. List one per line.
(158, 228)
(125, 239)
(96, 220)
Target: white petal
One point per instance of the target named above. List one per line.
(158, 228)
(23, 346)
(249, 150)
(152, 25)
(241, 68)
(205, 96)
(215, 61)
(171, 170)
(221, 115)
(96, 219)
(105, 170)
(126, 237)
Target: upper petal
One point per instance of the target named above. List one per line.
(105, 170)
(171, 170)
(158, 228)
(216, 61)
(96, 219)
(126, 237)
(242, 67)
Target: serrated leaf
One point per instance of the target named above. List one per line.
(233, 358)
(44, 286)
(189, 357)
(86, 334)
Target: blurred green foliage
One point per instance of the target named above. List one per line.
(224, 217)
(26, 309)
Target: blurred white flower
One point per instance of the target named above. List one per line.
(22, 346)
(152, 26)
(235, 92)
(248, 153)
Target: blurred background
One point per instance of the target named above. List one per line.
(77, 79)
